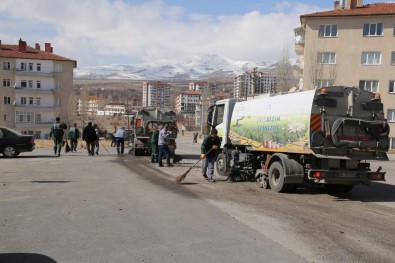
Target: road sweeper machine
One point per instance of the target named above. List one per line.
(146, 121)
(323, 136)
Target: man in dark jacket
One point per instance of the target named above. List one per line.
(208, 149)
(57, 134)
(90, 137)
(154, 145)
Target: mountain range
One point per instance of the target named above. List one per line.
(184, 68)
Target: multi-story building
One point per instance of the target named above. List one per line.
(351, 45)
(88, 106)
(36, 87)
(156, 94)
(186, 102)
(113, 109)
(254, 83)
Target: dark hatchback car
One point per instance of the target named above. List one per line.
(12, 143)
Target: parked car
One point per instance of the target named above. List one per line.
(12, 143)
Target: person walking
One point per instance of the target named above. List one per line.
(74, 135)
(97, 146)
(120, 140)
(57, 134)
(154, 145)
(163, 146)
(90, 137)
(208, 149)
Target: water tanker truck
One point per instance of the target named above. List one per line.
(322, 136)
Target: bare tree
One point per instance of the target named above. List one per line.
(321, 71)
(284, 73)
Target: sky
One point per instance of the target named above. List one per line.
(104, 32)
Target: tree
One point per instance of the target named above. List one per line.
(284, 73)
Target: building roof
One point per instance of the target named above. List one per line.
(365, 10)
(12, 51)
(192, 92)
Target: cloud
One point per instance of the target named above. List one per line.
(97, 32)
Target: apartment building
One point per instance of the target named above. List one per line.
(254, 83)
(113, 109)
(36, 87)
(351, 45)
(186, 101)
(156, 94)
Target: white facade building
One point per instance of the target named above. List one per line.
(36, 87)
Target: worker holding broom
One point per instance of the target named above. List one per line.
(208, 149)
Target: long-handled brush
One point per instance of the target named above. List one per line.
(181, 178)
(102, 144)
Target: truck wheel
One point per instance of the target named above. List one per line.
(221, 165)
(276, 177)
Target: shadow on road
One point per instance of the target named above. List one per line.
(25, 257)
(30, 157)
(375, 192)
(50, 182)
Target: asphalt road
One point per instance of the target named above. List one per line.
(107, 208)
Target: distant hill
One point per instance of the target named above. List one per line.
(184, 68)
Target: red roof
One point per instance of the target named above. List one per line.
(12, 51)
(366, 10)
(192, 92)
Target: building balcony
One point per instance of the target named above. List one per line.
(31, 125)
(25, 90)
(299, 48)
(22, 72)
(32, 107)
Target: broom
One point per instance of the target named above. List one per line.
(180, 178)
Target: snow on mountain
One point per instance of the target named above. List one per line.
(184, 68)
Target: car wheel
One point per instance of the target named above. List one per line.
(10, 151)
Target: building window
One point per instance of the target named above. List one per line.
(58, 68)
(58, 85)
(30, 66)
(371, 58)
(327, 31)
(38, 101)
(38, 67)
(7, 100)
(24, 117)
(373, 29)
(324, 83)
(393, 31)
(58, 102)
(38, 118)
(392, 143)
(369, 85)
(6, 65)
(23, 84)
(7, 117)
(30, 84)
(37, 135)
(23, 100)
(327, 58)
(391, 86)
(6, 83)
(38, 84)
(31, 100)
(393, 58)
(391, 114)
(23, 66)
